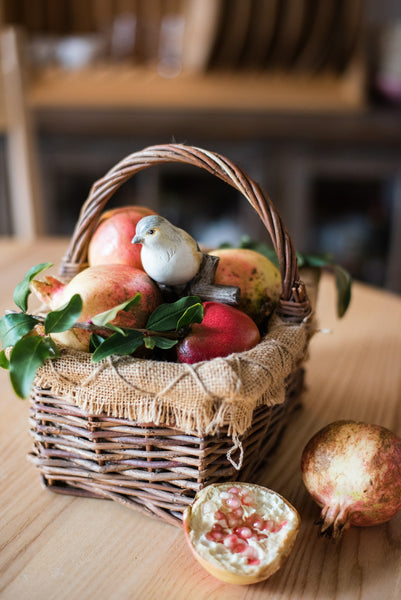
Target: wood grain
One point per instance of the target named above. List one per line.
(62, 547)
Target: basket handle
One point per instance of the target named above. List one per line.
(294, 303)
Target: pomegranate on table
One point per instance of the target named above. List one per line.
(353, 471)
(111, 241)
(256, 276)
(224, 330)
(240, 532)
(101, 288)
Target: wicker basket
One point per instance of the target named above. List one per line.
(157, 467)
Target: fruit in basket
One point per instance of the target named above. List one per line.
(241, 533)
(353, 471)
(169, 254)
(256, 276)
(224, 330)
(101, 288)
(111, 241)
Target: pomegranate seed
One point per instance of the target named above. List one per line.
(269, 525)
(230, 541)
(253, 561)
(233, 490)
(233, 521)
(238, 548)
(233, 502)
(275, 527)
(246, 499)
(216, 534)
(250, 552)
(220, 517)
(259, 523)
(244, 532)
(238, 512)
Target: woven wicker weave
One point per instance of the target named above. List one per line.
(157, 469)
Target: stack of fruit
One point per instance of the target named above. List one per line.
(116, 274)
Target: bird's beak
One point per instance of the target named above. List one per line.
(137, 239)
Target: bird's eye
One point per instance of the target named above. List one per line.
(151, 231)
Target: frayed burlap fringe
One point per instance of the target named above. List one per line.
(198, 398)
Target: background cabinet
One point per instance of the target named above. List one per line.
(307, 120)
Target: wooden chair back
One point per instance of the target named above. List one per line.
(23, 186)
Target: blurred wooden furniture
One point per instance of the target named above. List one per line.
(24, 206)
(271, 84)
(252, 54)
(55, 546)
(115, 87)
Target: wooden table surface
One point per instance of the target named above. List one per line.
(60, 547)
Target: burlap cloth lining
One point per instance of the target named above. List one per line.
(196, 398)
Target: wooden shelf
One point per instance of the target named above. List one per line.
(121, 87)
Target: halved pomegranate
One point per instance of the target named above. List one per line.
(240, 532)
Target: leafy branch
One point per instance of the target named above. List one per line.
(28, 348)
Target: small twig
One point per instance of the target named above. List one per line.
(203, 285)
(171, 335)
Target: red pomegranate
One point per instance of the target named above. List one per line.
(111, 241)
(256, 276)
(224, 330)
(353, 471)
(101, 288)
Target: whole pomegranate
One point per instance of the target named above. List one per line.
(101, 288)
(353, 471)
(111, 241)
(224, 330)
(240, 532)
(256, 276)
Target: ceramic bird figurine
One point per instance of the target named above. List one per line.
(169, 254)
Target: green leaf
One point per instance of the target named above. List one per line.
(15, 326)
(307, 260)
(65, 317)
(343, 285)
(53, 349)
(167, 316)
(118, 344)
(149, 342)
(22, 290)
(117, 329)
(300, 259)
(4, 362)
(193, 314)
(162, 342)
(314, 260)
(94, 341)
(26, 357)
(109, 315)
